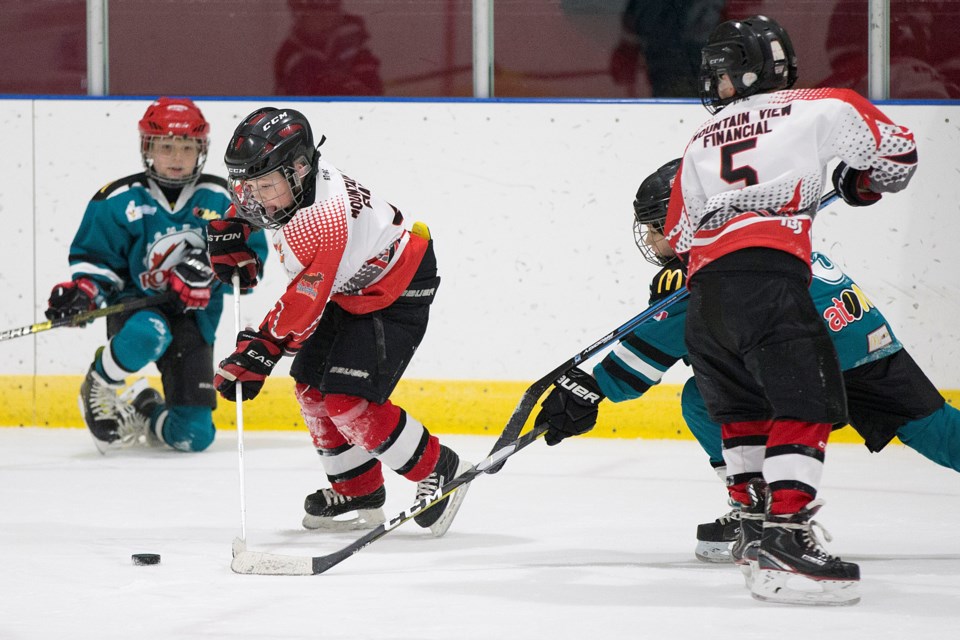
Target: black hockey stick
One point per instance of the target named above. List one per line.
(274, 564)
(260, 563)
(86, 316)
(529, 399)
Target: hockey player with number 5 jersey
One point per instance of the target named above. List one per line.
(353, 314)
(740, 216)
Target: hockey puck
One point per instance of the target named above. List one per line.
(141, 559)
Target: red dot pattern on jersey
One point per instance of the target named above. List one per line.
(317, 228)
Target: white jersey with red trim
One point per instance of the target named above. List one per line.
(752, 175)
(348, 247)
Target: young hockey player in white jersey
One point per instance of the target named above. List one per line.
(354, 313)
(888, 394)
(140, 236)
(739, 217)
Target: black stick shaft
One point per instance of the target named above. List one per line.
(86, 316)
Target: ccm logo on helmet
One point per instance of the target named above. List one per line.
(274, 120)
(578, 390)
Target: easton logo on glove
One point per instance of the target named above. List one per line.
(249, 365)
(230, 253)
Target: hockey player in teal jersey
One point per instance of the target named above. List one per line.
(139, 237)
(887, 393)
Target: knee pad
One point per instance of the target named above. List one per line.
(188, 428)
(143, 338)
(315, 415)
(344, 409)
(362, 422)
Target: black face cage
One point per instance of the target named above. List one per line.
(640, 232)
(253, 211)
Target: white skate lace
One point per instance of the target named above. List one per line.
(731, 516)
(104, 401)
(428, 486)
(332, 497)
(132, 424)
(813, 541)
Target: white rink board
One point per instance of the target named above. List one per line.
(530, 206)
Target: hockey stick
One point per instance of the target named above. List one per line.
(529, 398)
(259, 563)
(239, 544)
(532, 394)
(86, 316)
(274, 564)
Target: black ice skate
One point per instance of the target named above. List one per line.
(135, 422)
(101, 410)
(744, 549)
(328, 510)
(791, 552)
(439, 517)
(714, 539)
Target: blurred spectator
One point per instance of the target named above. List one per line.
(920, 57)
(668, 34)
(326, 53)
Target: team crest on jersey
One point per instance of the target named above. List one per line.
(660, 317)
(136, 212)
(309, 285)
(164, 252)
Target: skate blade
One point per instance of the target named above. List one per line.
(365, 519)
(748, 570)
(713, 551)
(771, 585)
(454, 501)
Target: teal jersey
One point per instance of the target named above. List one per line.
(640, 359)
(131, 236)
(859, 331)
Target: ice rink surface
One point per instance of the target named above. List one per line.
(592, 539)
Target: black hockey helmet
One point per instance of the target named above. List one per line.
(756, 54)
(269, 140)
(650, 209)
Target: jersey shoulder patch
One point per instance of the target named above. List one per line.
(137, 179)
(669, 279)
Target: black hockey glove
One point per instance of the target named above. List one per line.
(229, 252)
(250, 364)
(853, 185)
(71, 298)
(571, 408)
(190, 279)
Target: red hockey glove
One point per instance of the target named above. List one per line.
(229, 252)
(250, 365)
(571, 408)
(190, 279)
(853, 185)
(71, 298)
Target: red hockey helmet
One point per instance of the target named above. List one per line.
(173, 118)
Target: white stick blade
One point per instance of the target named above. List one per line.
(271, 564)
